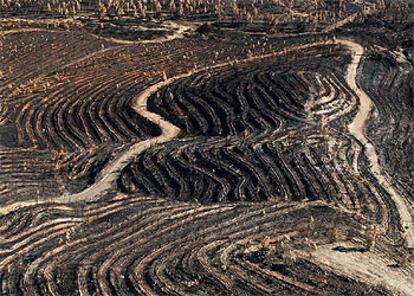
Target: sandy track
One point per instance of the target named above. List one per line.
(111, 172)
(180, 29)
(357, 129)
(367, 267)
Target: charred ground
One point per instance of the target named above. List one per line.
(206, 147)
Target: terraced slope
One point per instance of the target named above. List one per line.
(84, 117)
(251, 175)
(147, 246)
(255, 139)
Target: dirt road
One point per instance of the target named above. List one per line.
(357, 129)
(368, 267)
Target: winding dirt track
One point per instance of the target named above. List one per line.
(368, 267)
(357, 128)
(180, 29)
